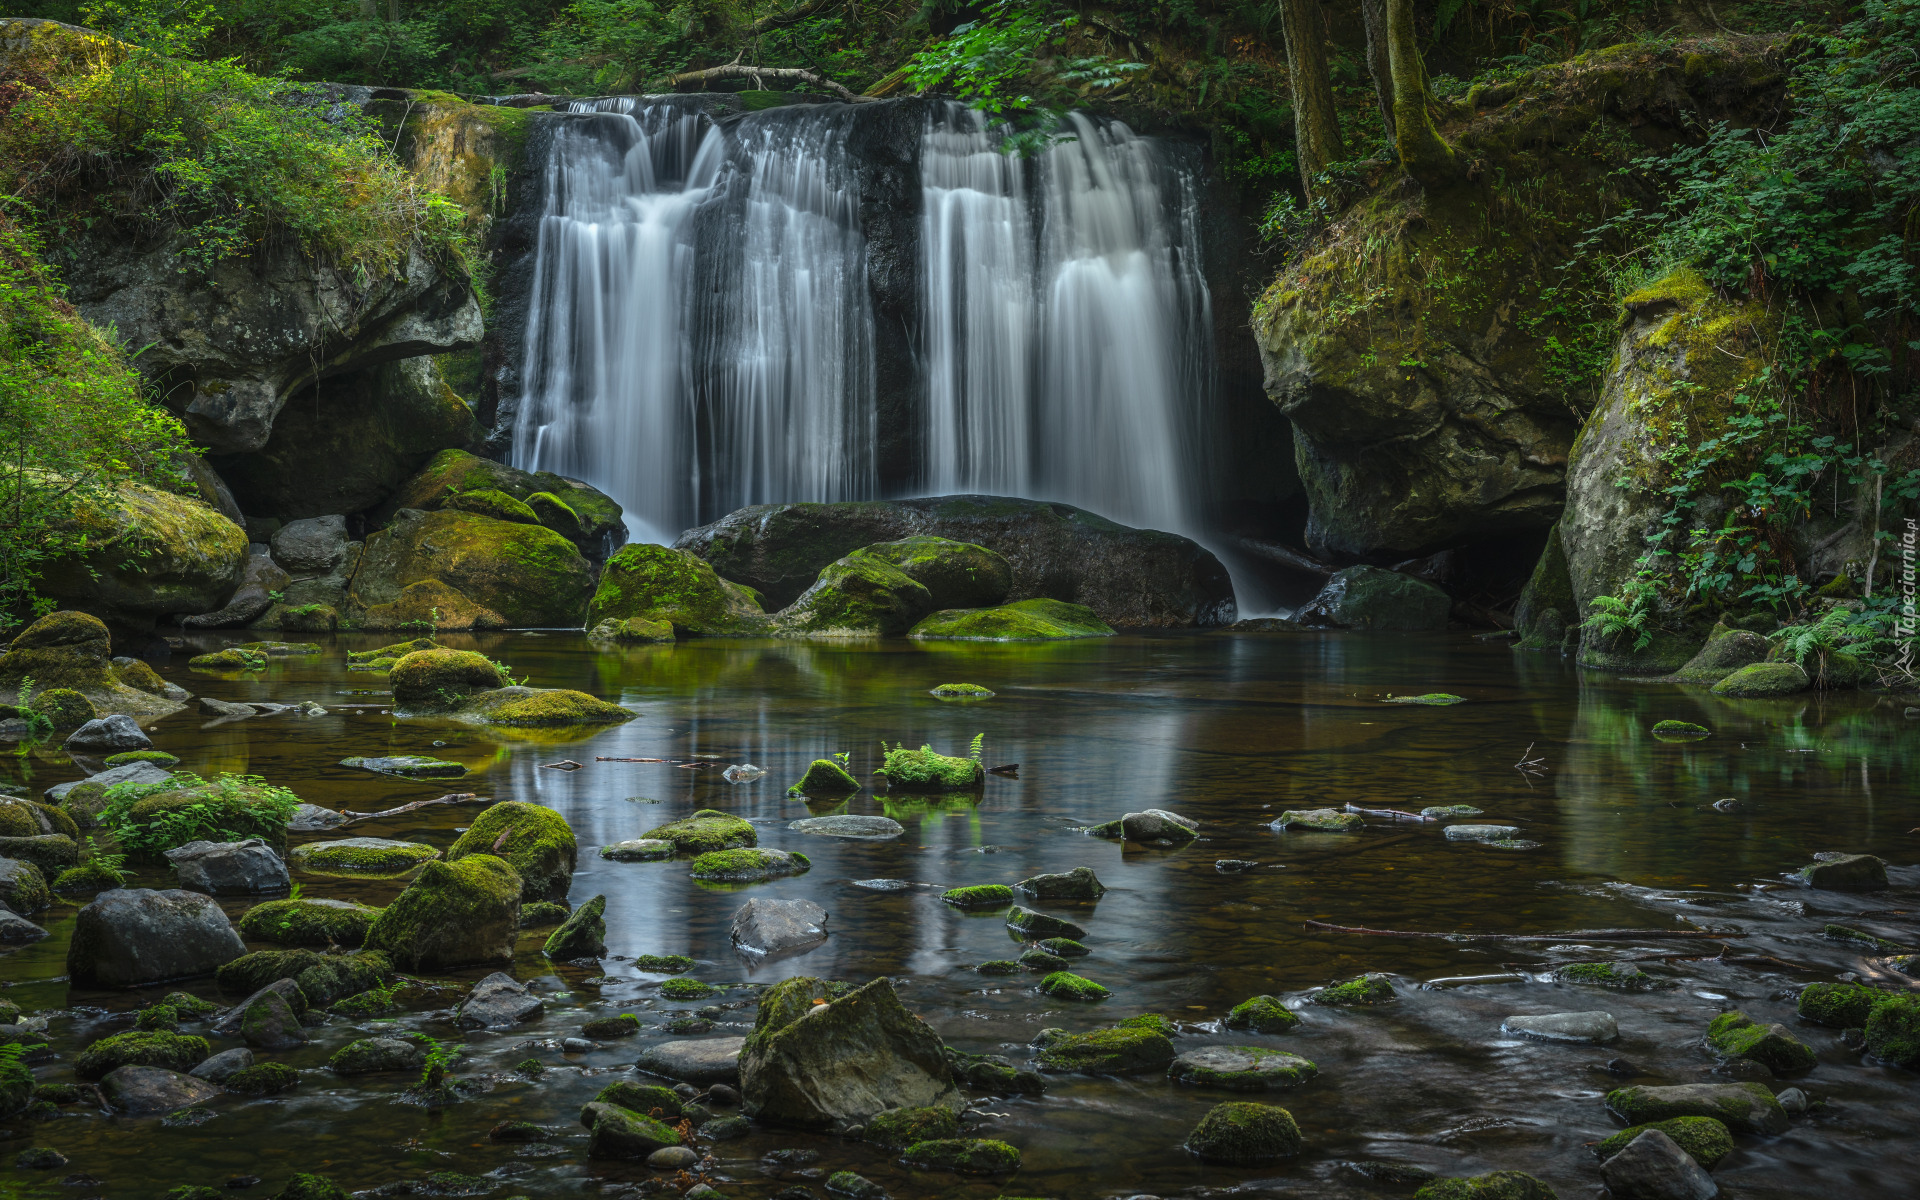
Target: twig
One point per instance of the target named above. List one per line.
(1391, 813)
(735, 70)
(450, 798)
(1578, 935)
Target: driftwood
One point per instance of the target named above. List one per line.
(760, 76)
(1578, 935)
(604, 758)
(565, 764)
(1393, 814)
(450, 798)
(1009, 769)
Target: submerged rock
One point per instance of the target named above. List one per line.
(131, 937)
(1652, 1167)
(1242, 1133)
(229, 868)
(1153, 825)
(1318, 820)
(1036, 620)
(818, 1065)
(1241, 1069)
(1481, 833)
(1078, 884)
(769, 927)
(849, 826)
(705, 1061)
(1584, 1028)
(1742, 1107)
(497, 1002)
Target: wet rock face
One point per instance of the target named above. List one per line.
(142, 1091)
(237, 342)
(130, 937)
(820, 1065)
(1370, 598)
(1129, 577)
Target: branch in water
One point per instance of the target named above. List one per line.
(450, 798)
(761, 74)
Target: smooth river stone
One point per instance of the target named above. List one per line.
(1481, 833)
(145, 1090)
(638, 850)
(706, 1060)
(849, 826)
(1241, 1068)
(1582, 1028)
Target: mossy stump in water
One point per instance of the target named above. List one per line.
(1242, 1133)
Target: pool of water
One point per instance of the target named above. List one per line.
(1229, 730)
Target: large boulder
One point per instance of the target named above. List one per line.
(131, 937)
(1036, 620)
(1130, 577)
(591, 519)
(815, 1065)
(676, 588)
(453, 914)
(74, 650)
(23, 886)
(1374, 599)
(1742, 1107)
(144, 1091)
(955, 574)
(149, 554)
(535, 841)
(106, 735)
(1727, 650)
(348, 444)
(439, 679)
(527, 574)
(772, 927)
(311, 545)
(861, 595)
(260, 580)
(1654, 1167)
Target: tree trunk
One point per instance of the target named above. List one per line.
(1373, 13)
(1316, 129)
(1424, 154)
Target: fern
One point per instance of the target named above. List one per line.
(1816, 640)
(1613, 617)
(973, 751)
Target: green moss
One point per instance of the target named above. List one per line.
(1262, 1014)
(1021, 621)
(233, 658)
(582, 935)
(308, 923)
(407, 766)
(965, 1156)
(1498, 1185)
(985, 895)
(538, 843)
(1364, 991)
(633, 629)
(687, 989)
(556, 514)
(899, 1127)
(1682, 729)
(1065, 985)
(66, 708)
(1861, 938)
(1837, 1005)
(323, 978)
(675, 587)
(174, 1051)
(312, 1187)
(705, 831)
(858, 595)
(783, 1004)
(538, 708)
(30, 818)
(607, 1028)
(1064, 947)
(159, 758)
(492, 502)
(51, 852)
(163, 1018)
(1320, 820)
(1119, 1051)
(649, 1100)
(1624, 976)
(1893, 1030)
(925, 770)
(263, 1079)
(342, 856)
(1736, 1035)
(93, 877)
(961, 691)
(1704, 1139)
(1762, 680)
(998, 966)
(541, 912)
(1639, 1105)
(395, 652)
(955, 574)
(744, 864)
(437, 680)
(1269, 1070)
(1039, 960)
(1159, 1023)
(1431, 699)
(663, 964)
(825, 777)
(433, 922)
(190, 1007)
(1243, 1133)
(1040, 925)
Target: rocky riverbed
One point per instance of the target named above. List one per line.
(1168, 998)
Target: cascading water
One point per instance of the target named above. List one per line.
(702, 329)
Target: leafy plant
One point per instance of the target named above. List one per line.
(226, 809)
(102, 863)
(973, 751)
(1836, 629)
(1614, 617)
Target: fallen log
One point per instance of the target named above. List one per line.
(449, 798)
(1578, 935)
(760, 75)
(1392, 814)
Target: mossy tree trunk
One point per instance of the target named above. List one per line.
(1373, 14)
(1423, 152)
(1316, 129)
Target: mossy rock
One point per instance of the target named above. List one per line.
(174, 1051)
(582, 935)
(263, 1079)
(1679, 731)
(1763, 680)
(955, 574)
(30, 818)
(540, 708)
(984, 895)
(240, 808)
(528, 574)
(925, 770)
(747, 865)
(638, 850)
(162, 1018)
(1034, 959)
(900, 1127)
(998, 966)
(1497, 1185)
(1065, 985)
(362, 856)
(610, 1028)
(1118, 1051)
(964, 1156)
(538, 843)
(139, 676)
(961, 691)
(454, 913)
(454, 473)
(1241, 1069)
(556, 514)
(233, 658)
(859, 595)
(1704, 1139)
(1429, 699)
(1242, 1133)
(632, 629)
(492, 502)
(425, 603)
(1364, 991)
(309, 922)
(1624, 976)
(649, 1100)
(92, 877)
(1737, 1035)
(407, 766)
(360, 659)
(705, 831)
(825, 777)
(1837, 1005)
(1319, 820)
(312, 1187)
(687, 989)
(1893, 1031)
(190, 1007)
(1064, 947)
(663, 964)
(1262, 1014)
(439, 680)
(72, 651)
(53, 853)
(251, 972)
(65, 707)
(660, 584)
(1037, 620)
(542, 912)
(126, 758)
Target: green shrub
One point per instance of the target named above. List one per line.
(151, 818)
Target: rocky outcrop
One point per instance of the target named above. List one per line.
(576, 511)
(260, 579)
(675, 588)
(1130, 577)
(1369, 598)
(73, 650)
(815, 1065)
(232, 344)
(150, 554)
(131, 937)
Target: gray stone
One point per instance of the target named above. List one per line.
(130, 937)
(138, 772)
(1077, 884)
(845, 1062)
(496, 1002)
(377, 1055)
(1481, 833)
(765, 926)
(698, 1061)
(638, 850)
(209, 707)
(1040, 925)
(269, 1019)
(1794, 1101)
(849, 826)
(223, 1065)
(1741, 1107)
(1375, 599)
(110, 735)
(1654, 1167)
(23, 886)
(1317, 820)
(229, 868)
(143, 1091)
(311, 818)
(260, 577)
(673, 1158)
(311, 546)
(1847, 873)
(1241, 1068)
(883, 885)
(1726, 651)
(16, 930)
(1156, 824)
(1584, 1028)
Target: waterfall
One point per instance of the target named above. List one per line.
(702, 329)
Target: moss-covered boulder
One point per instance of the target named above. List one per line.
(1119, 1051)
(925, 770)
(1837, 1005)
(1704, 1139)
(30, 818)
(898, 1128)
(427, 603)
(1727, 650)
(1241, 1069)
(23, 887)
(528, 574)
(1373, 599)
(16, 1088)
(582, 935)
(1360, 992)
(596, 520)
(955, 574)
(1741, 1107)
(149, 554)
(72, 651)
(705, 831)
(655, 583)
(309, 922)
(749, 865)
(439, 680)
(815, 1060)
(520, 707)
(825, 777)
(357, 856)
(185, 808)
(1736, 1035)
(1846, 873)
(963, 1156)
(1243, 1133)
(984, 895)
(1037, 620)
(632, 629)
(861, 595)
(1065, 985)
(464, 912)
(1893, 1030)
(535, 840)
(1764, 680)
(1262, 1014)
(1496, 1185)
(53, 853)
(174, 1051)
(492, 502)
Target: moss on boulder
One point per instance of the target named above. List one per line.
(857, 596)
(1037, 620)
(924, 770)
(1837, 1005)
(1065, 985)
(428, 602)
(362, 856)
(309, 922)
(964, 1156)
(985, 895)
(149, 554)
(955, 574)
(705, 831)
(439, 680)
(1497, 1185)
(492, 502)
(174, 1051)
(528, 574)
(898, 1128)
(1363, 991)
(1893, 1030)
(1737, 1035)
(1118, 1051)
(1262, 1014)
(582, 935)
(825, 777)
(744, 865)
(455, 913)
(263, 1079)
(1242, 1133)
(72, 651)
(659, 584)
(535, 841)
(539, 708)
(632, 629)
(1704, 1139)
(454, 473)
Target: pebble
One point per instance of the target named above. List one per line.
(1794, 1101)
(672, 1158)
